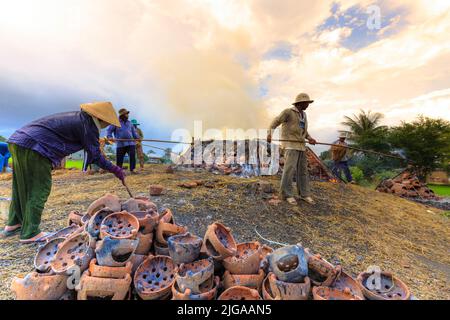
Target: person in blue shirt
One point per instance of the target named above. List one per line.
(4, 156)
(125, 131)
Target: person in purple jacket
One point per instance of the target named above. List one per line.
(40, 146)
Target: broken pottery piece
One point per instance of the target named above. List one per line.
(192, 275)
(166, 230)
(76, 250)
(93, 288)
(321, 272)
(346, 281)
(160, 249)
(289, 290)
(139, 204)
(75, 218)
(253, 281)
(206, 294)
(65, 232)
(246, 260)
(289, 263)
(155, 277)
(219, 242)
(98, 271)
(45, 255)
(239, 293)
(148, 220)
(391, 287)
(156, 189)
(109, 200)
(184, 248)
(39, 286)
(145, 243)
(95, 222)
(119, 225)
(115, 252)
(326, 293)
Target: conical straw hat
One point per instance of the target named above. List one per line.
(103, 111)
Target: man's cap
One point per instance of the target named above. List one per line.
(302, 97)
(135, 122)
(103, 111)
(123, 111)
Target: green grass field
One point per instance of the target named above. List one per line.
(440, 190)
(77, 164)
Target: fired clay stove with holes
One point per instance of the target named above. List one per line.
(93, 288)
(289, 263)
(205, 294)
(45, 255)
(392, 288)
(110, 201)
(74, 251)
(94, 223)
(289, 290)
(193, 275)
(239, 293)
(184, 248)
(155, 277)
(326, 293)
(115, 252)
(246, 260)
(119, 225)
(39, 286)
(253, 281)
(321, 272)
(219, 242)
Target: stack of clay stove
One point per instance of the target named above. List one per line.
(406, 185)
(129, 250)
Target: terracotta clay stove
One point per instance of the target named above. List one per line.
(166, 230)
(206, 293)
(218, 242)
(346, 281)
(139, 204)
(115, 252)
(107, 201)
(246, 260)
(253, 281)
(94, 223)
(267, 293)
(239, 293)
(38, 286)
(195, 276)
(145, 243)
(148, 220)
(326, 293)
(321, 272)
(119, 225)
(289, 263)
(45, 255)
(75, 217)
(160, 249)
(94, 288)
(184, 248)
(74, 251)
(392, 288)
(289, 290)
(166, 216)
(98, 271)
(155, 277)
(65, 232)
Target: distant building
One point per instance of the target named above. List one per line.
(438, 177)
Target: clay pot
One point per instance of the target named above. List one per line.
(39, 286)
(148, 220)
(184, 248)
(289, 263)
(346, 281)
(289, 290)
(218, 242)
(115, 252)
(45, 255)
(156, 189)
(74, 251)
(155, 277)
(107, 201)
(246, 260)
(65, 232)
(253, 281)
(166, 216)
(93, 288)
(239, 293)
(321, 272)
(160, 249)
(139, 204)
(166, 230)
(392, 288)
(326, 293)
(98, 271)
(206, 294)
(94, 223)
(192, 275)
(145, 243)
(75, 218)
(119, 225)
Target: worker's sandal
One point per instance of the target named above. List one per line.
(308, 200)
(291, 201)
(6, 234)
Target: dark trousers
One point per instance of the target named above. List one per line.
(340, 166)
(122, 151)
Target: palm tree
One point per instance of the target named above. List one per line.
(362, 124)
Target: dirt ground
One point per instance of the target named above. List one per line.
(351, 225)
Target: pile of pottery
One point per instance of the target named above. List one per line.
(408, 185)
(129, 249)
